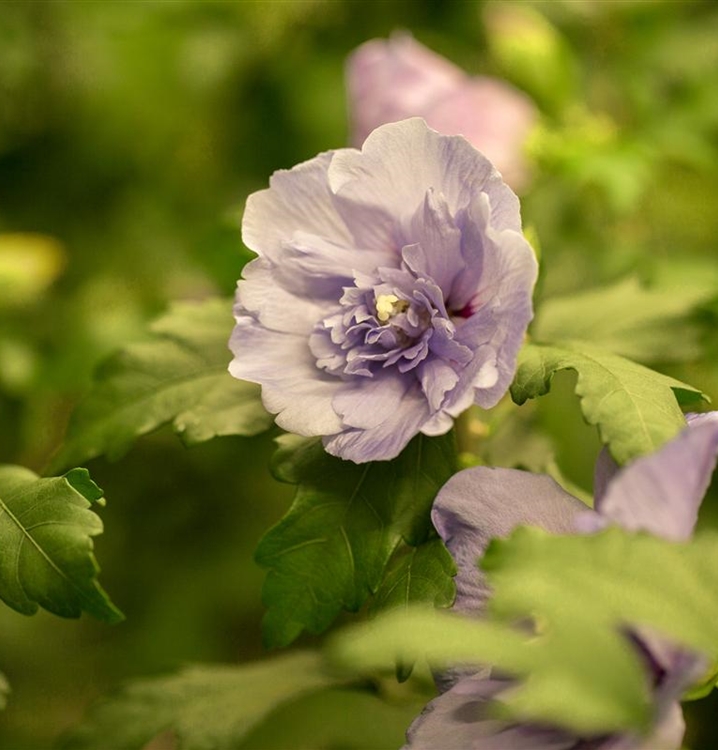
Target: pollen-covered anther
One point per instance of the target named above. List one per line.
(388, 306)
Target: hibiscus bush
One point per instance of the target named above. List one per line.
(389, 334)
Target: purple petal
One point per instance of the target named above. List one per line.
(389, 177)
(298, 198)
(389, 80)
(605, 470)
(318, 267)
(458, 720)
(401, 422)
(478, 504)
(662, 492)
(274, 306)
(437, 254)
(509, 269)
(292, 386)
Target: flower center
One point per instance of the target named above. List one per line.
(388, 306)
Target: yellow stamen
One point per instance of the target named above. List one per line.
(389, 305)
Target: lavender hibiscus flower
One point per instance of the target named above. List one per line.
(392, 291)
(390, 79)
(660, 493)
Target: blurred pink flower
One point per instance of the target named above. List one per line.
(390, 80)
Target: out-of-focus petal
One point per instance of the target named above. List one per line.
(479, 504)
(458, 720)
(662, 492)
(390, 80)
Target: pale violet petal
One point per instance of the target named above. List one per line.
(391, 79)
(292, 387)
(297, 198)
(386, 182)
(662, 492)
(275, 307)
(387, 439)
(459, 720)
(479, 504)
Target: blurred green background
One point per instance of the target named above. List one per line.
(130, 135)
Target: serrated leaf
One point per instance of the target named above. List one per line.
(635, 409)
(580, 671)
(637, 578)
(331, 549)
(179, 376)
(650, 325)
(417, 575)
(205, 707)
(46, 530)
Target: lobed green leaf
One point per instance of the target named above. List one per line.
(178, 377)
(635, 409)
(331, 550)
(578, 668)
(46, 530)
(203, 707)
(647, 324)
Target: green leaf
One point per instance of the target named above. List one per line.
(4, 691)
(651, 325)
(179, 376)
(579, 668)
(577, 675)
(335, 718)
(415, 575)
(46, 530)
(635, 578)
(331, 549)
(204, 707)
(636, 409)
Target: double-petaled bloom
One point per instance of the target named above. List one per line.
(392, 291)
(392, 79)
(660, 493)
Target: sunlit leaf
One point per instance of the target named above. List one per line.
(635, 409)
(202, 707)
(331, 550)
(651, 325)
(179, 376)
(579, 667)
(46, 530)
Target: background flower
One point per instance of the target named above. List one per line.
(392, 79)
(392, 290)
(659, 493)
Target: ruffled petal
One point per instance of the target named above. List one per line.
(478, 504)
(386, 439)
(292, 386)
(272, 304)
(379, 189)
(662, 492)
(437, 254)
(297, 198)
